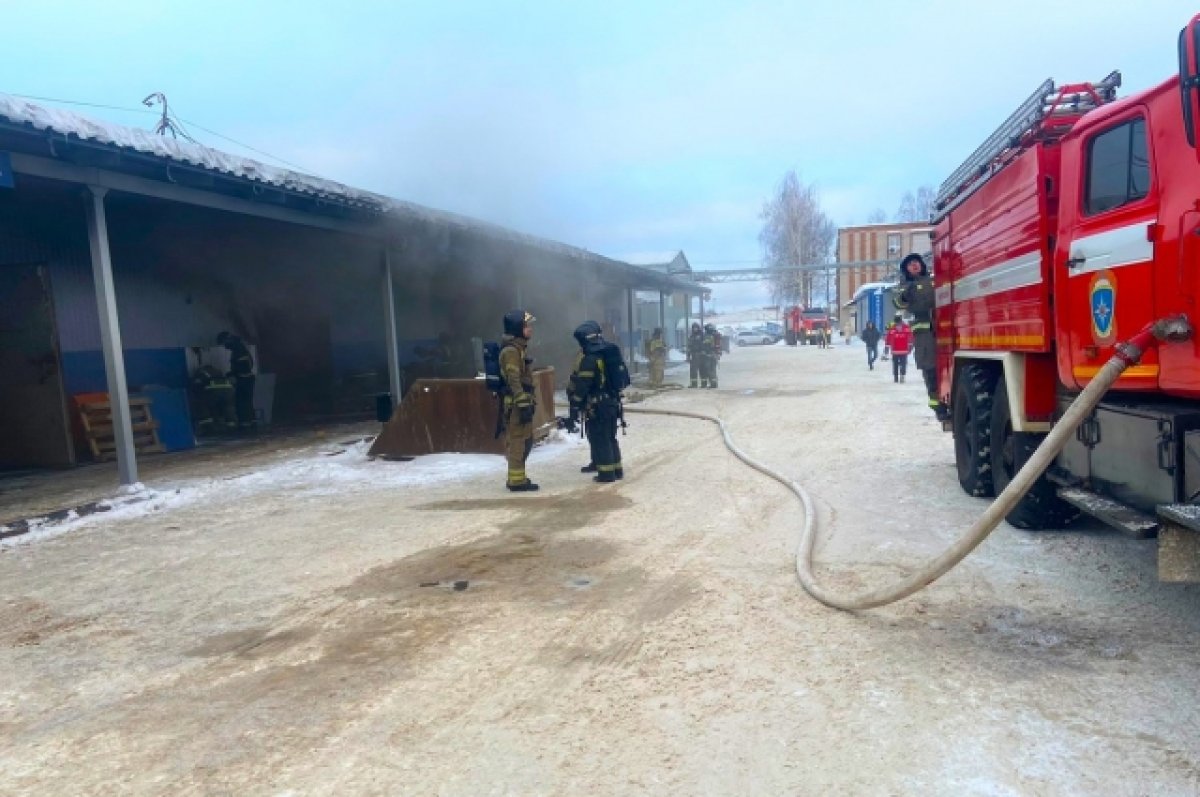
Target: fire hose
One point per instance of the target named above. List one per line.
(1126, 354)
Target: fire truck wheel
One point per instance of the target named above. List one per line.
(972, 421)
(1040, 508)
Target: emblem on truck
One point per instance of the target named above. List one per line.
(1102, 296)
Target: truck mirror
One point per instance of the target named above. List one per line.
(1189, 77)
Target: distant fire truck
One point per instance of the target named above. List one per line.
(1070, 228)
(801, 325)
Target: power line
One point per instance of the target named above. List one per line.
(179, 120)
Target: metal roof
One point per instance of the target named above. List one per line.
(23, 115)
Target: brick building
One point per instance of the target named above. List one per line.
(881, 246)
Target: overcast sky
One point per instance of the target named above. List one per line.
(622, 127)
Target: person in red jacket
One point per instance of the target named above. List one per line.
(899, 340)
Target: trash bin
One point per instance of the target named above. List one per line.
(383, 407)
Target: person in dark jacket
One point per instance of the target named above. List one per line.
(595, 398)
(870, 337)
(241, 371)
(916, 295)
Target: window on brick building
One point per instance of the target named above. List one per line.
(894, 243)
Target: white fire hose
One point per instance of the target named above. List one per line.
(1167, 329)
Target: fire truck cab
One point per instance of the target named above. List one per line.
(1068, 230)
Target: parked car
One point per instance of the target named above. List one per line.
(753, 337)
(768, 332)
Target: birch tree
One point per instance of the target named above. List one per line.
(796, 232)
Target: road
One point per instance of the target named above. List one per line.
(338, 626)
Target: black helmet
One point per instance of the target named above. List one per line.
(587, 331)
(909, 259)
(515, 321)
(223, 338)
(710, 328)
(658, 332)
(695, 326)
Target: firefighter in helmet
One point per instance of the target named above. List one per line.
(596, 399)
(517, 372)
(241, 371)
(656, 353)
(695, 353)
(916, 295)
(712, 353)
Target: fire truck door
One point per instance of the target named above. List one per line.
(1109, 276)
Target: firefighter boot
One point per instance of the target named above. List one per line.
(619, 473)
(524, 487)
(605, 478)
(588, 468)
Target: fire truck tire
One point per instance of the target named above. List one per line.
(972, 423)
(1040, 508)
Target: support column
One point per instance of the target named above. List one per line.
(662, 313)
(632, 361)
(389, 316)
(110, 335)
(702, 310)
(687, 318)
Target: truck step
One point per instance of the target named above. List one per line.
(1121, 517)
(1179, 543)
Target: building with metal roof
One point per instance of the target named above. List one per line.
(123, 253)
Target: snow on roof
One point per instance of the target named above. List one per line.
(870, 286)
(69, 123)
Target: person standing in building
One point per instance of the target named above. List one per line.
(241, 371)
(595, 396)
(917, 296)
(899, 341)
(870, 337)
(695, 354)
(519, 404)
(656, 353)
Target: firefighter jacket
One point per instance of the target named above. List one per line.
(695, 346)
(517, 372)
(711, 345)
(656, 349)
(241, 364)
(917, 296)
(899, 339)
(588, 390)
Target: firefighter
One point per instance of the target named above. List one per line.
(241, 371)
(214, 401)
(916, 295)
(595, 398)
(711, 348)
(519, 404)
(656, 353)
(695, 353)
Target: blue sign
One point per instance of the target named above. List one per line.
(6, 171)
(875, 307)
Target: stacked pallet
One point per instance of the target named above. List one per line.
(95, 418)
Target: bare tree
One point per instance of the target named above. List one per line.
(796, 232)
(918, 206)
(878, 216)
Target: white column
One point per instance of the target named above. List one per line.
(389, 318)
(110, 335)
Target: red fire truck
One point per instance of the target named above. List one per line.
(801, 325)
(1069, 229)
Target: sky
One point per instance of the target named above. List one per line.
(626, 128)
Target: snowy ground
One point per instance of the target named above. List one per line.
(323, 624)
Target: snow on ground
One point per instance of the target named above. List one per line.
(337, 626)
(343, 471)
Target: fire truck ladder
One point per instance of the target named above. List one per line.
(1048, 114)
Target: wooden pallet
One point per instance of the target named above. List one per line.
(95, 417)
